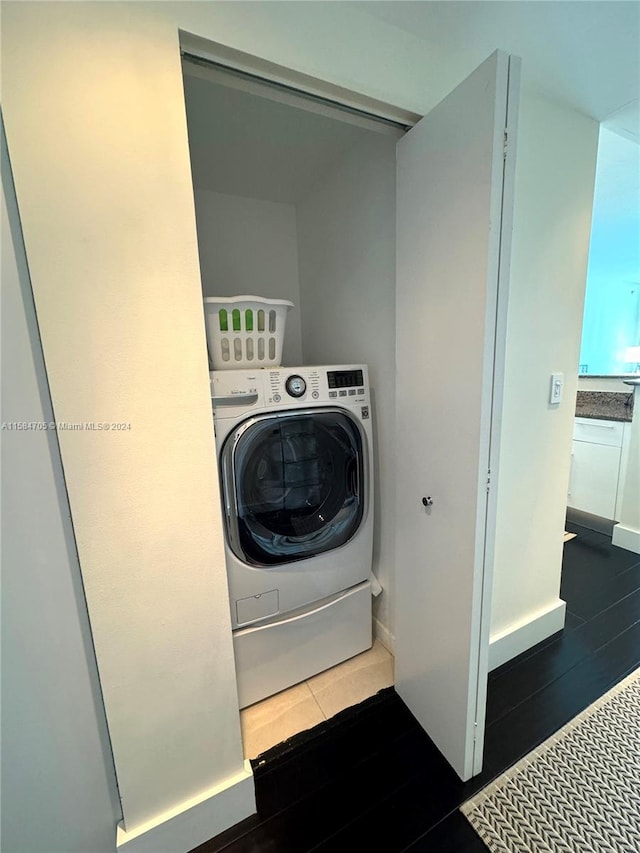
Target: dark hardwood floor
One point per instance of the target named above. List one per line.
(371, 779)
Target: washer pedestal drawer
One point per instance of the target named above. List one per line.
(272, 657)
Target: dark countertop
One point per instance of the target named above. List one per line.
(605, 405)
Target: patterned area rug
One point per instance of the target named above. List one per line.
(579, 792)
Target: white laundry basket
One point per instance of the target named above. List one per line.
(245, 331)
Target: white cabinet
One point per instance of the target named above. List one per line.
(595, 466)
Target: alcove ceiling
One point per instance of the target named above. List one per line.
(245, 145)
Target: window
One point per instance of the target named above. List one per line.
(611, 324)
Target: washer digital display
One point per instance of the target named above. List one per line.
(345, 378)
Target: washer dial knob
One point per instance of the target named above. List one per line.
(295, 386)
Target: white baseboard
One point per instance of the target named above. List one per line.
(523, 635)
(194, 821)
(626, 537)
(382, 633)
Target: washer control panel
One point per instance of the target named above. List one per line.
(341, 385)
(234, 391)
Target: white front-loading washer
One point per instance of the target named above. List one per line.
(295, 455)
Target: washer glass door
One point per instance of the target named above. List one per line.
(293, 484)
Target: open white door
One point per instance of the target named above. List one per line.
(454, 204)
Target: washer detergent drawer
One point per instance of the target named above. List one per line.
(272, 657)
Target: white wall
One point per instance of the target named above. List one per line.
(106, 205)
(346, 231)
(553, 199)
(249, 246)
(56, 760)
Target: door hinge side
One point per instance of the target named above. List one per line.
(505, 144)
(489, 480)
(475, 731)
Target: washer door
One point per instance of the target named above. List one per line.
(293, 485)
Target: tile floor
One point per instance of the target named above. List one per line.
(305, 705)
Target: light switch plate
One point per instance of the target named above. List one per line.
(556, 388)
